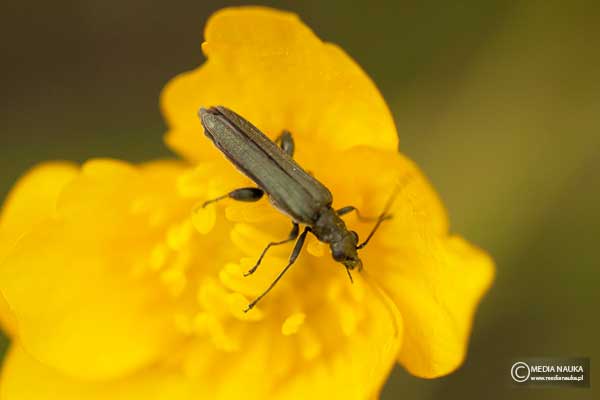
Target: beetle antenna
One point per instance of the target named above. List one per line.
(385, 215)
(349, 275)
(382, 217)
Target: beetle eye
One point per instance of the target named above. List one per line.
(355, 235)
(338, 255)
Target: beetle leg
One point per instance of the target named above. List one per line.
(243, 194)
(286, 142)
(292, 236)
(349, 209)
(293, 258)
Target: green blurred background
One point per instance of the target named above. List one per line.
(497, 101)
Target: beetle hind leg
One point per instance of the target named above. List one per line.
(248, 194)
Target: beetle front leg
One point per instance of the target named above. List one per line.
(381, 218)
(348, 209)
(248, 194)
(291, 261)
(292, 236)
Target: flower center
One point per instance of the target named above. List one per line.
(201, 262)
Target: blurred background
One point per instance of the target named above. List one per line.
(497, 101)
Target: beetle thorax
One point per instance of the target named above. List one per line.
(329, 227)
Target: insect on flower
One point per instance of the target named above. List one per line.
(290, 189)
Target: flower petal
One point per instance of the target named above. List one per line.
(360, 365)
(30, 202)
(437, 284)
(81, 308)
(368, 178)
(7, 320)
(272, 69)
(435, 280)
(33, 199)
(344, 366)
(25, 378)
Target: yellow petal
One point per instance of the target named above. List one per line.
(71, 284)
(7, 319)
(31, 201)
(86, 309)
(368, 178)
(329, 365)
(436, 281)
(272, 69)
(437, 285)
(362, 361)
(25, 378)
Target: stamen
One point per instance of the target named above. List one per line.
(179, 235)
(205, 322)
(250, 213)
(211, 295)
(183, 324)
(158, 256)
(192, 184)
(204, 218)
(310, 346)
(292, 324)
(237, 303)
(175, 281)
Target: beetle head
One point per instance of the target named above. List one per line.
(344, 251)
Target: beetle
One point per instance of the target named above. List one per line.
(290, 189)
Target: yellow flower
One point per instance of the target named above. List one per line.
(120, 287)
